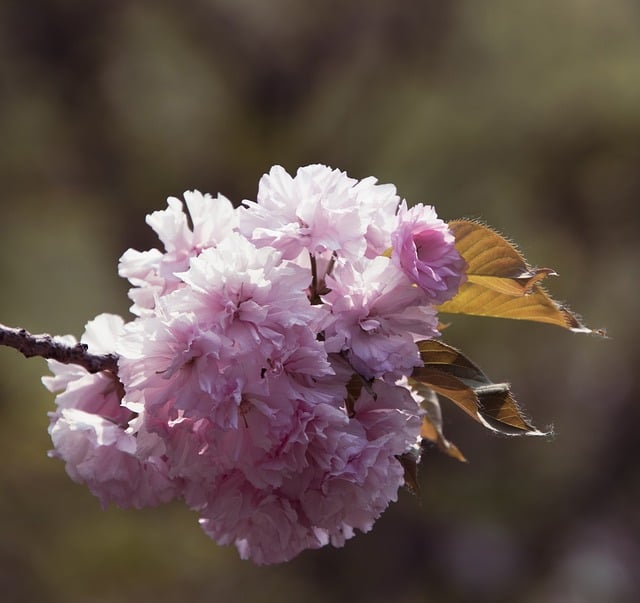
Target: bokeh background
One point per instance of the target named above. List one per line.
(523, 114)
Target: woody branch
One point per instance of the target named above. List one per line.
(45, 346)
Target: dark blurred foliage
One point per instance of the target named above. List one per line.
(526, 115)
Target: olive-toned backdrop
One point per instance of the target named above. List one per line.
(525, 115)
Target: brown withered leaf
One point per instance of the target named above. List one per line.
(431, 428)
(409, 463)
(449, 373)
(500, 283)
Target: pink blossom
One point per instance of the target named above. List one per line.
(93, 430)
(360, 475)
(354, 498)
(153, 273)
(349, 476)
(174, 361)
(319, 211)
(378, 205)
(232, 390)
(242, 318)
(424, 248)
(376, 314)
(103, 456)
(99, 393)
(264, 525)
(248, 292)
(390, 416)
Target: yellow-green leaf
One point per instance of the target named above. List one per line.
(449, 373)
(500, 283)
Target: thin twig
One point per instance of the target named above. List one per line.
(46, 346)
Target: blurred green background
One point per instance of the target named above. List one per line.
(525, 115)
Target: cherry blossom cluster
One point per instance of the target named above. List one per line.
(232, 390)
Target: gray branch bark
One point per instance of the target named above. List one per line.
(46, 346)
